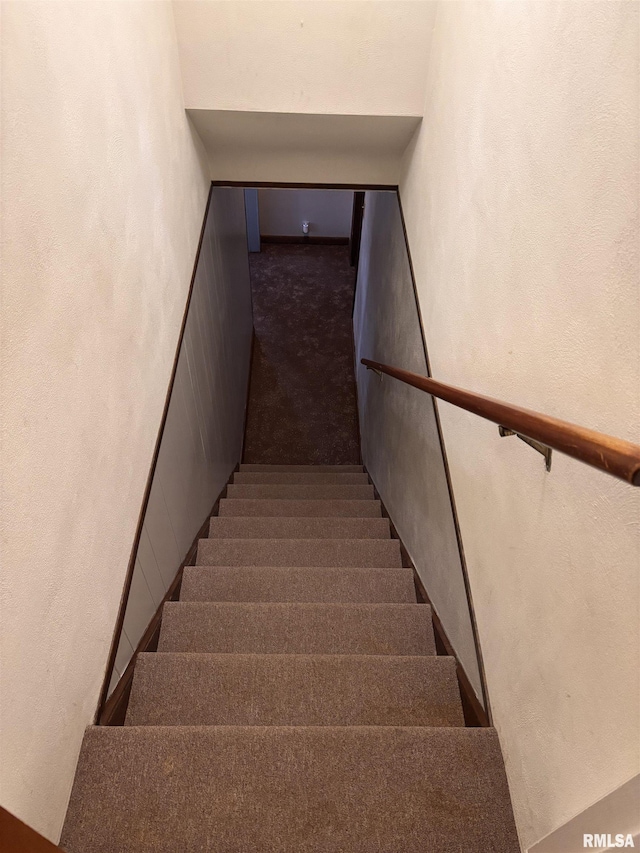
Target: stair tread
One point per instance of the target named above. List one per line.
(296, 628)
(367, 553)
(297, 583)
(241, 507)
(294, 690)
(313, 790)
(298, 528)
(304, 469)
(303, 492)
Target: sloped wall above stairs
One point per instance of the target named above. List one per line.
(400, 442)
(202, 437)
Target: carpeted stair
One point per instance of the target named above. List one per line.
(295, 702)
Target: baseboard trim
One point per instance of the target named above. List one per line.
(114, 710)
(303, 239)
(475, 715)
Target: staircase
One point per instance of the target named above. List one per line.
(296, 702)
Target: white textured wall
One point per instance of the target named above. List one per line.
(274, 85)
(328, 212)
(399, 434)
(294, 56)
(202, 439)
(521, 199)
(618, 813)
(103, 190)
(304, 147)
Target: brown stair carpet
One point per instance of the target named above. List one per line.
(367, 553)
(305, 469)
(306, 583)
(294, 690)
(297, 628)
(302, 397)
(300, 492)
(288, 478)
(310, 509)
(297, 789)
(295, 703)
(299, 528)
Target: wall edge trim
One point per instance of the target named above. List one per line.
(295, 185)
(111, 659)
(454, 510)
(114, 710)
(475, 715)
(18, 837)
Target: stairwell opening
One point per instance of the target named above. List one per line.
(302, 406)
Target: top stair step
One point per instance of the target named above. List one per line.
(148, 789)
(305, 469)
(288, 478)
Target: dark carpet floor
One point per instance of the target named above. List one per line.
(302, 399)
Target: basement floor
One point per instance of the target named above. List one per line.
(302, 398)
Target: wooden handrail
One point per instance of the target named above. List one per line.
(612, 455)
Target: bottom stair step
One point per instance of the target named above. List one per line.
(294, 690)
(310, 790)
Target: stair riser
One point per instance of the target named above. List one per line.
(346, 493)
(302, 469)
(296, 690)
(364, 553)
(331, 585)
(332, 629)
(276, 478)
(303, 509)
(299, 528)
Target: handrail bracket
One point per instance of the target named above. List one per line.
(537, 445)
(614, 456)
(375, 370)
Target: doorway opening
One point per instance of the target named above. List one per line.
(303, 254)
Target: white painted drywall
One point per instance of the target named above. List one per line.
(104, 188)
(328, 212)
(202, 439)
(400, 444)
(293, 56)
(520, 194)
(290, 90)
(618, 813)
(304, 147)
